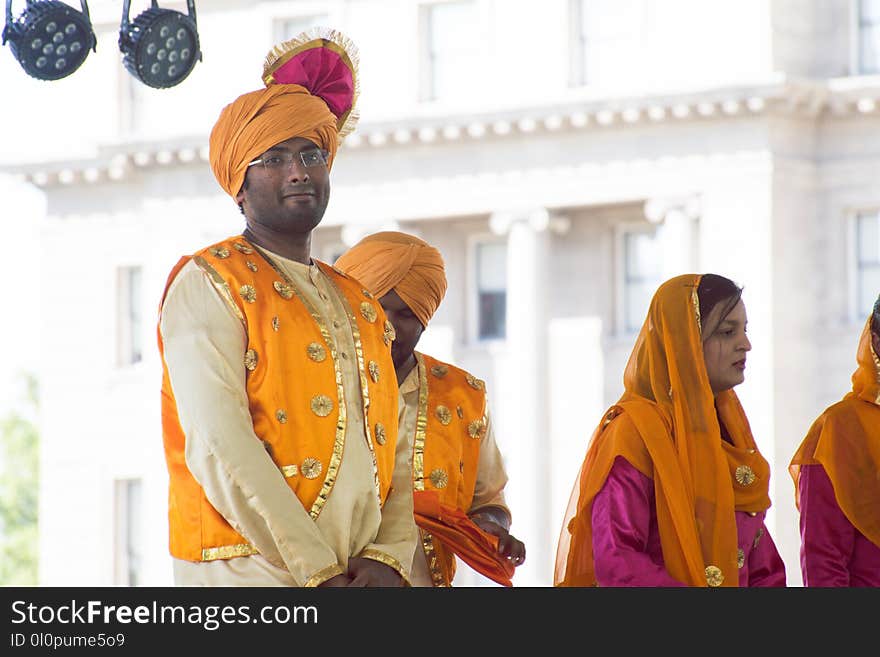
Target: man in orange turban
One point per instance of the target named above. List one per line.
(458, 472)
(280, 430)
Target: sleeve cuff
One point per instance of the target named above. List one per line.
(388, 560)
(323, 575)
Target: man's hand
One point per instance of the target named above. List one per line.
(508, 545)
(335, 581)
(369, 572)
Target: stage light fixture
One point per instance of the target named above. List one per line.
(50, 39)
(161, 46)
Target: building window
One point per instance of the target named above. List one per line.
(869, 36)
(130, 342)
(605, 38)
(288, 28)
(491, 277)
(867, 262)
(642, 273)
(128, 538)
(451, 50)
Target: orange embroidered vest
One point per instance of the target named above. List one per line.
(294, 389)
(450, 426)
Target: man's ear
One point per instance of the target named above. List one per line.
(239, 198)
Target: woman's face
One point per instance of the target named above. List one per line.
(725, 348)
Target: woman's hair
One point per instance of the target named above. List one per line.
(875, 317)
(714, 289)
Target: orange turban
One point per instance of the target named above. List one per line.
(408, 265)
(258, 120)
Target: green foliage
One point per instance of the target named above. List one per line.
(19, 489)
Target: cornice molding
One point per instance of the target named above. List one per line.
(809, 99)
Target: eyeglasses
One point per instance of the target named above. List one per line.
(314, 157)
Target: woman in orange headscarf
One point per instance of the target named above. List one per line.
(673, 490)
(836, 473)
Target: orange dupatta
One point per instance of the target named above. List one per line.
(845, 441)
(671, 433)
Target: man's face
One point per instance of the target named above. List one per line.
(724, 350)
(875, 342)
(406, 325)
(286, 199)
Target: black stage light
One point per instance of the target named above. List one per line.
(50, 39)
(161, 46)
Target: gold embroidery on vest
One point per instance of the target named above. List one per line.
(421, 425)
(374, 371)
(248, 293)
(251, 265)
(250, 359)
(439, 477)
(228, 552)
(443, 414)
(219, 252)
(311, 468)
(367, 294)
(290, 470)
(275, 323)
(242, 248)
(286, 291)
(281, 415)
(322, 405)
(475, 383)
(439, 371)
(380, 433)
(316, 352)
(389, 335)
(459, 412)
(477, 428)
(368, 312)
(745, 475)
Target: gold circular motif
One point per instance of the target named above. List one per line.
(311, 468)
(476, 429)
(439, 478)
(248, 293)
(390, 333)
(373, 366)
(242, 248)
(380, 433)
(283, 289)
(714, 576)
(250, 360)
(316, 352)
(367, 294)
(744, 475)
(275, 323)
(439, 371)
(368, 311)
(322, 405)
(219, 252)
(251, 265)
(740, 558)
(281, 415)
(443, 414)
(475, 383)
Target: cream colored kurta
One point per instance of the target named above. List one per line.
(204, 351)
(491, 475)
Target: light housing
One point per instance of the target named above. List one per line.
(50, 39)
(161, 46)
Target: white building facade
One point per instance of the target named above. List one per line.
(565, 160)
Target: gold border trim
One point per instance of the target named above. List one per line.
(339, 442)
(323, 575)
(695, 300)
(228, 552)
(387, 559)
(222, 287)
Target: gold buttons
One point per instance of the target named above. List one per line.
(439, 478)
(283, 289)
(242, 248)
(368, 312)
(740, 558)
(744, 475)
(443, 414)
(714, 576)
(281, 416)
(248, 293)
(439, 371)
(373, 367)
(219, 252)
(380, 433)
(322, 405)
(250, 360)
(311, 468)
(316, 352)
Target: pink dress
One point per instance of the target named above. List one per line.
(626, 538)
